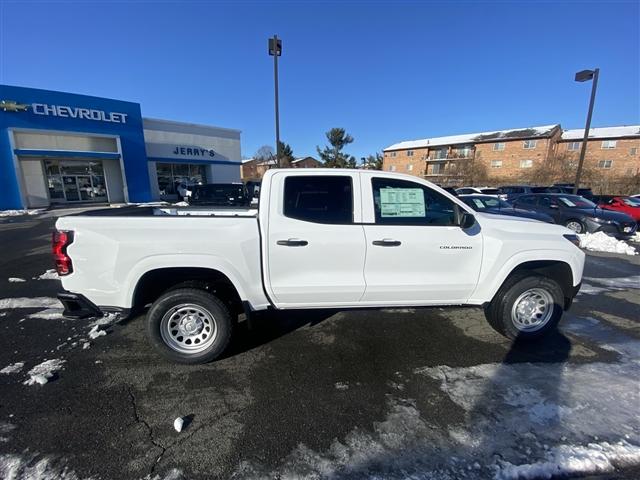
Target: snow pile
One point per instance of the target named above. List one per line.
(96, 332)
(41, 373)
(569, 460)
(601, 242)
(25, 302)
(48, 314)
(636, 237)
(17, 213)
(16, 280)
(50, 274)
(13, 368)
(181, 204)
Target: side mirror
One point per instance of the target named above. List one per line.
(467, 220)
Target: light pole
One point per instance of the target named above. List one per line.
(583, 76)
(275, 50)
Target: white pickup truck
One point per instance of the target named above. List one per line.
(321, 238)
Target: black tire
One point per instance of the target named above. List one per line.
(583, 227)
(499, 311)
(222, 325)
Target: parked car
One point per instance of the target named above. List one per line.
(568, 188)
(490, 204)
(321, 238)
(578, 214)
(220, 195)
(510, 192)
(480, 190)
(624, 204)
(450, 190)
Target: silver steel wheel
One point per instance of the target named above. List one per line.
(575, 226)
(532, 310)
(188, 328)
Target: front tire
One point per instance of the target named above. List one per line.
(526, 307)
(189, 325)
(576, 225)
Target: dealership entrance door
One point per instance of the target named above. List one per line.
(76, 181)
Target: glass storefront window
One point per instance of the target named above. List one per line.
(75, 180)
(172, 175)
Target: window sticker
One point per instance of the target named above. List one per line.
(567, 202)
(402, 202)
(478, 203)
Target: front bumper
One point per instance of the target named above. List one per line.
(618, 230)
(573, 293)
(78, 306)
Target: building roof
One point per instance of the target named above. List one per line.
(299, 159)
(603, 132)
(515, 133)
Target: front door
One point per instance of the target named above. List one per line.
(71, 192)
(314, 245)
(416, 252)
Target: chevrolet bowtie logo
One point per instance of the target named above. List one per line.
(13, 106)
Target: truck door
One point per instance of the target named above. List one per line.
(315, 246)
(416, 251)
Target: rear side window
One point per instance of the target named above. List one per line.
(319, 199)
(400, 202)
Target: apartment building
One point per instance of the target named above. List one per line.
(513, 155)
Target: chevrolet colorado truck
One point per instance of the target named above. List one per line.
(320, 238)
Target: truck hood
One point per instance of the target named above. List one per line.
(521, 224)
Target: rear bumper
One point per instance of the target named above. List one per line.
(78, 306)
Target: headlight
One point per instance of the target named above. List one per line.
(573, 238)
(602, 220)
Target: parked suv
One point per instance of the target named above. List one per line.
(510, 192)
(578, 213)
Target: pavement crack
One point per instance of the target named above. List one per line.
(138, 418)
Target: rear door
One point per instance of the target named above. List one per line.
(416, 252)
(314, 247)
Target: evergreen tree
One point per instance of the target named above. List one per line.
(286, 155)
(373, 162)
(332, 155)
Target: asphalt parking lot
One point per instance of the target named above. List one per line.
(404, 393)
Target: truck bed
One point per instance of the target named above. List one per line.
(170, 210)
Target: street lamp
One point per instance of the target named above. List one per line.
(584, 76)
(275, 50)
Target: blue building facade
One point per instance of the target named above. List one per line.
(58, 147)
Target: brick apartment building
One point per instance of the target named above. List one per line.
(518, 155)
(253, 169)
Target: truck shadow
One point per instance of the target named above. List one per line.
(265, 327)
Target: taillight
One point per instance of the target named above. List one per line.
(60, 241)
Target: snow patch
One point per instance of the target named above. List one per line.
(50, 274)
(48, 314)
(178, 423)
(25, 302)
(570, 460)
(17, 213)
(601, 242)
(13, 368)
(16, 280)
(40, 374)
(342, 385)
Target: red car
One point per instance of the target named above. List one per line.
(628, 205)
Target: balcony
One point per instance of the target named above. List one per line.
(453, 155)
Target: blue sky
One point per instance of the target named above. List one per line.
(385, 71)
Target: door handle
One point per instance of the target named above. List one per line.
(293, 242)
(387, 242)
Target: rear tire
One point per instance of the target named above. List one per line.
(526, 307)
(189, 325)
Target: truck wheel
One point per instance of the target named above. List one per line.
(188, 325)
(526, 307)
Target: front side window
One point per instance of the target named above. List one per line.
(526, 163)
(608, 144)
(498, 147)
(529, 144)
(319, 199)
(399, 202)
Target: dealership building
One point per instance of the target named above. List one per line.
(63, 148)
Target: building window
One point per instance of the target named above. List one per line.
(573, 146)
(392, 168)
(498, 147)
(437, 168)
(496, 163)
(608, 144)
(526, 163)
(529, 144)
(392, 154)
(75, 181)
(410, 167)
(441, 153)
(633, 150)
(464, 151)
(409, 153)
(174, 178)
(605, 164)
